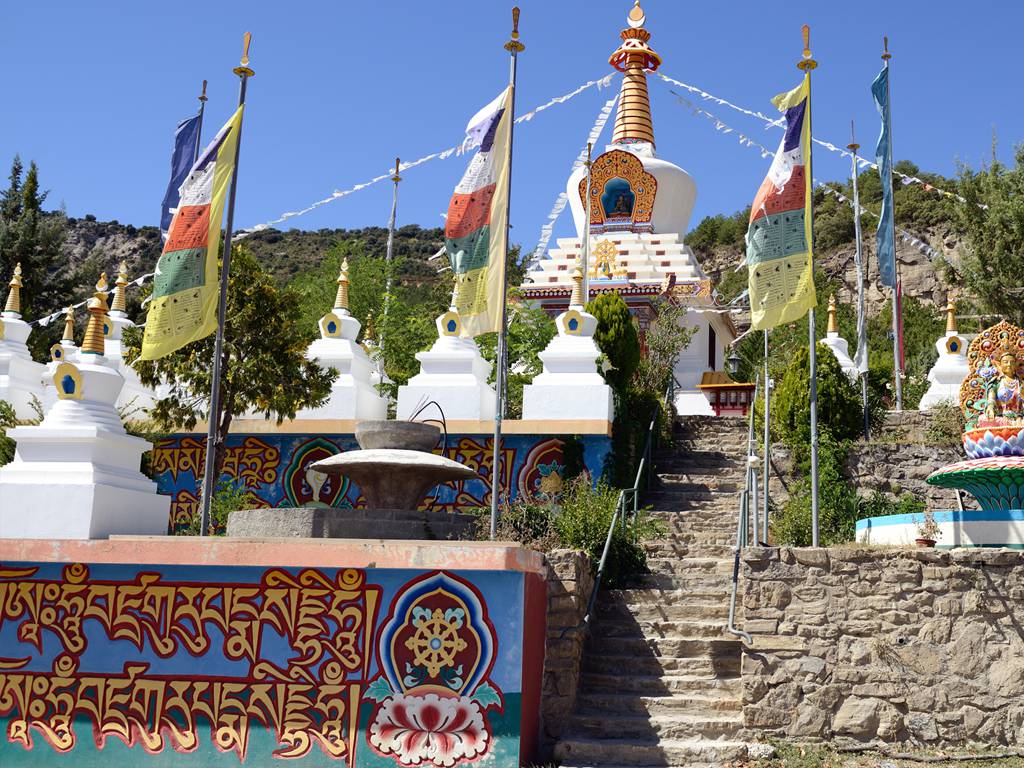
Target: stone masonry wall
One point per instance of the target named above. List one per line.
(569, 585)
(898, 645)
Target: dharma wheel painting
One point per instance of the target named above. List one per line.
(133, 665)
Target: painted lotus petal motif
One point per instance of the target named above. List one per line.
(430, 730)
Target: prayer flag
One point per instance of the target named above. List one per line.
(183, 308)
(186, 141)
(476, 230)
(780, 262)
(884, 234)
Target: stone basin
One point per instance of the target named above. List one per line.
(402, 435)
(394, 478)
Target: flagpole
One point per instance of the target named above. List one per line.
(897, 364)
(199, 128)
(514, 47)
(766, 473)
(806, 64)
(388, 255)
(585, 252)
(209, 481)
(862, 347)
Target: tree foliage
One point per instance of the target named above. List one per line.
(617, 338)
(994, 268)
(264, 371)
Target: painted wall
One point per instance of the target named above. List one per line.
(274, 468)
(115, 664)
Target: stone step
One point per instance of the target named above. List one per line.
(588, 752)
(671, 725)
(687, 566)
(682, 482)
(666, 645)
(719, 587)
(661, 684)
(654, 626)
(666, 547)
(723, 700)
(656, 666)
(651, 610)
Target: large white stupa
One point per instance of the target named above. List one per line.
(951, 367)
(640, 208)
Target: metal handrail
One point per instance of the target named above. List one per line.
(621, 507)
(741, 524)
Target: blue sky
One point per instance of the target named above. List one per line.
(93, 92)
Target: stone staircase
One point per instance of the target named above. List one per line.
(661, 679)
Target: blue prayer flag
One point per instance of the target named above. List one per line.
(884, 234)
(186, 141)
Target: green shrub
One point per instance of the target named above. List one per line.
(7, 421)
(879, 504)
(229, 497)
(617, 338)
(945, 425)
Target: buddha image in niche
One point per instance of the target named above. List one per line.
(617, 199)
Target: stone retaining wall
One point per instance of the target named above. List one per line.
(569, 582)
(899, 645)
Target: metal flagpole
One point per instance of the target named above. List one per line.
(766, 472)
(806, 64)
(897, 365)
(209, 481)
(199, 128)
(585, 252)
(514, 47)
(862, 347)
(388, 256)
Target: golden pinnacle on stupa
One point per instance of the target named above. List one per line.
(120, 289)
(577, 287)
(951, 323)
(69, 325)
(341, 297)
(833, 325)
(14, 296)
(94, 337)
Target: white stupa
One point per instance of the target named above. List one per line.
(951, 368)
(20, 376)
(66, 350)
(640, 208)
(453, 373)
(353, 394)
(76, 475)
(136, 398)
(837, 344)
(570, 386)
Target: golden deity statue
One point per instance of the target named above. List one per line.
(1003, 388)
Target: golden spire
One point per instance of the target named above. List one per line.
(341, 298)
(632, 58)
(833, 326)
(93, 342)
(577, 287)
(69, 325)
(370, 330)
(14, 297)
(120, 294)
(951, 325)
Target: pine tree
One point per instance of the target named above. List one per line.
(34, 238)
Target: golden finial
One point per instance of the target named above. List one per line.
(636, 18)
(634, 58)
(341, 298)
(370, 329)
(576, 300)
(14, 297)
(514, 45)
(885, 48)
(243, 69)
(853, 146)
(69, 325)
(951, 324)
(833, 326)
(396, 178)
(806, 63)
(202, 96)
(93, 342)
(120, 290)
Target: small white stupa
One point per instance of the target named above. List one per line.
(570, 386)
(76, 475)
(20, 375)
(136, 398)
(353, 395)
(453, 373)
(951, 368)
(839, 346)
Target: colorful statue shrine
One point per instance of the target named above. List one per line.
(991, 395)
